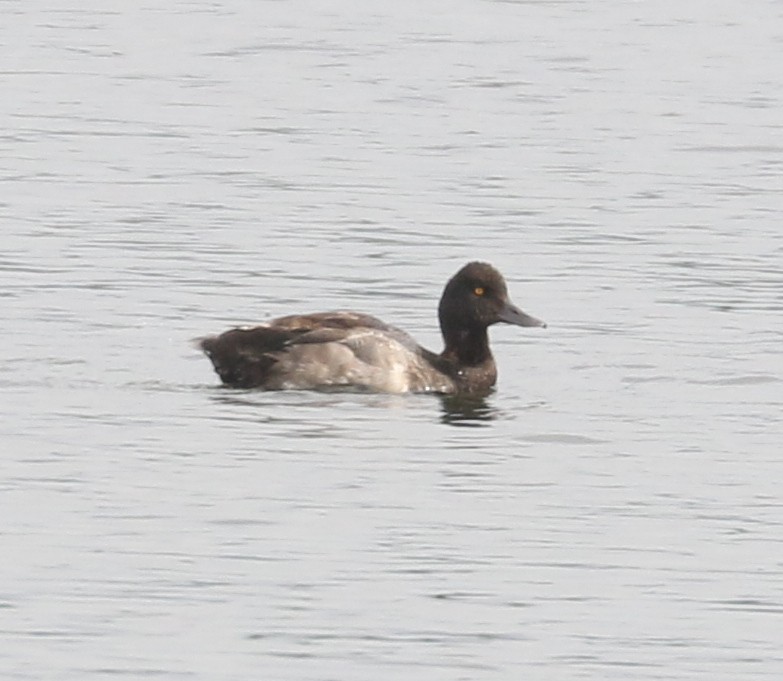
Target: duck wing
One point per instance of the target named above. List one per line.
(342, 326)
(312, 345)
(377, 359)
(349, 348)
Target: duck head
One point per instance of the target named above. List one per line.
(475, 298)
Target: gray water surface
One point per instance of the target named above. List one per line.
(612, 511)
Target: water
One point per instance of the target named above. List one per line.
(612, 511)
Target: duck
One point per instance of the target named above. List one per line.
(356, 351)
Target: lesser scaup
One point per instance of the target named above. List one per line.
(349, 349)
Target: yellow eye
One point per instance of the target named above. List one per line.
(478, 291)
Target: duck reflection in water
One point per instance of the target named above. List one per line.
(467, 410)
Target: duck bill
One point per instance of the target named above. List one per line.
(511, 314)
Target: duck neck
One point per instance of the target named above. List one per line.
(467, 346)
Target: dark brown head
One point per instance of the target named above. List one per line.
(475, 298)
